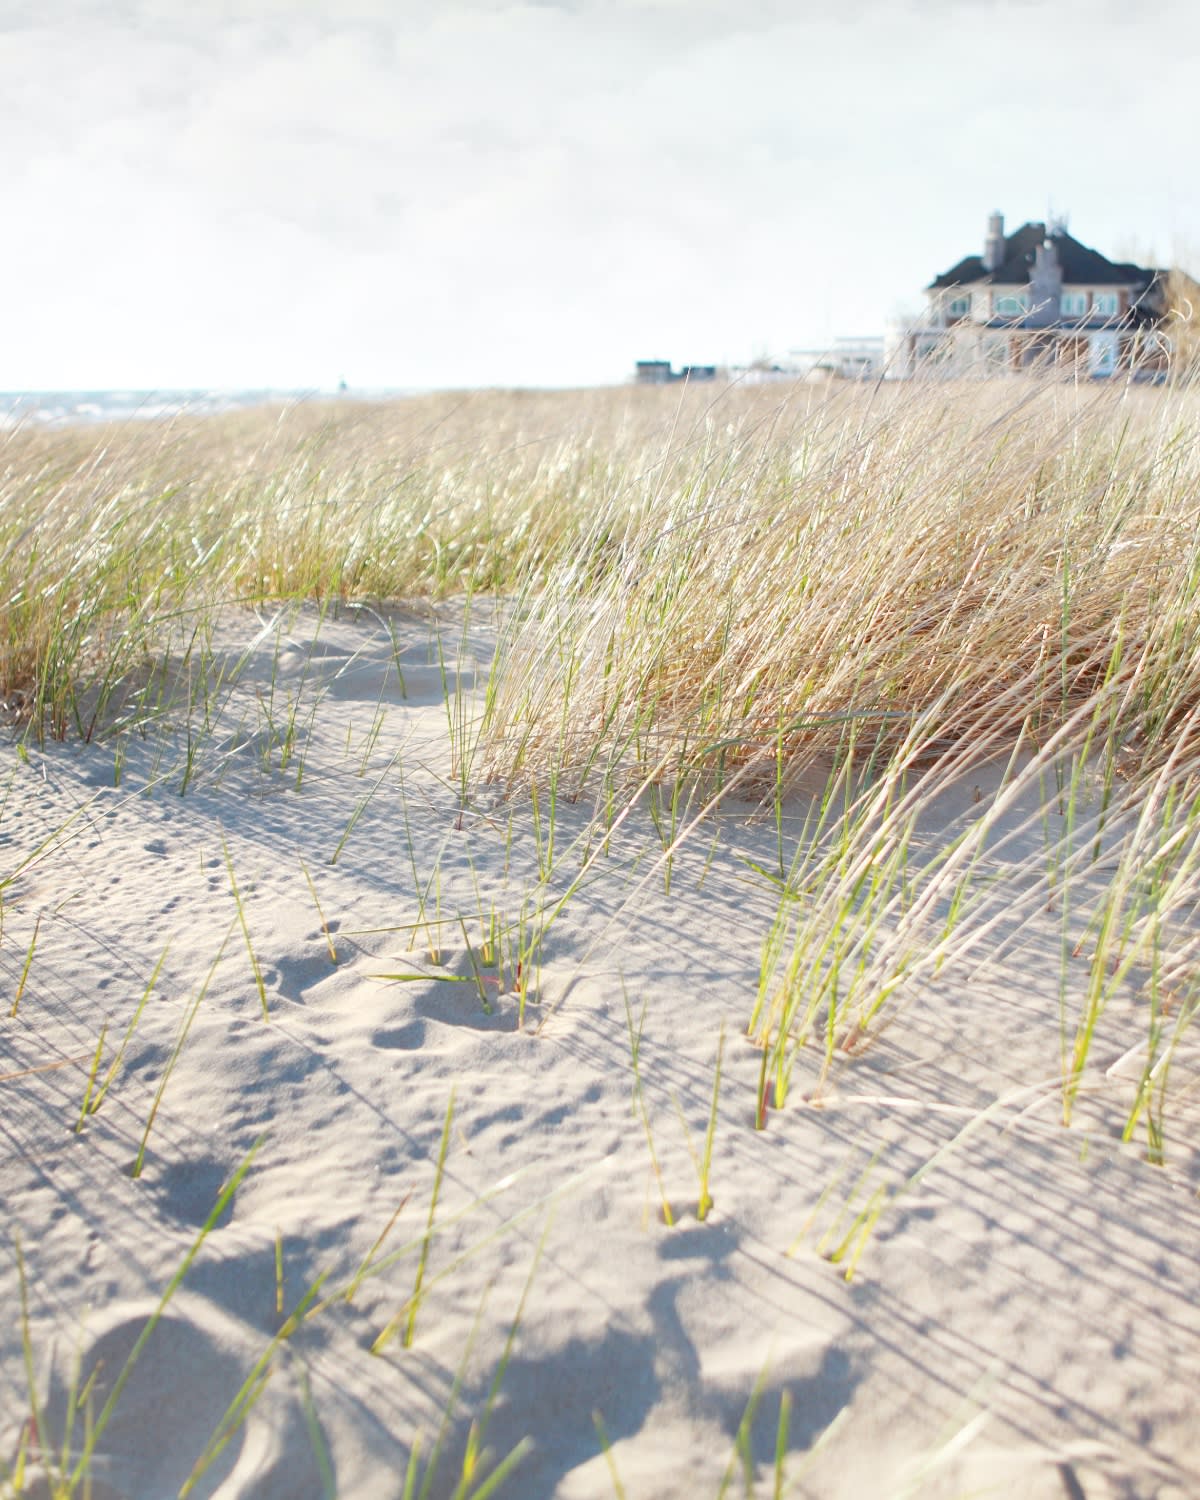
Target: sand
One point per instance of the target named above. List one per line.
(1023, 1319)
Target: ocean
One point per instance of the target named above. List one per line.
(70, 408)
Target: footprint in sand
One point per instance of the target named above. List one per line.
(406, 1038)
(173, 1398)
(187, 1190)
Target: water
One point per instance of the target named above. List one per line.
(71, 408)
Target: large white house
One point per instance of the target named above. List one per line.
(1035, 298)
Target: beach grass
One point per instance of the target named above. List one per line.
(871, 589)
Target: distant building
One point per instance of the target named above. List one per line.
(1037, 298)
(659, 372)
(857, 358)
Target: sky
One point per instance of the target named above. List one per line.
(416, 194)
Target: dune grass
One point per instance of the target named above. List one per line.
(866, 590)
(695, 581)
(815, 570)
(115, 542)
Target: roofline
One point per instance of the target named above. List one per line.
(1108, 286)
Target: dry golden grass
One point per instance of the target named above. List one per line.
(977, 559)
(697, 579)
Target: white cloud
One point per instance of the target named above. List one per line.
(485, 191)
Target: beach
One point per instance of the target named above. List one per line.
(384, 1117)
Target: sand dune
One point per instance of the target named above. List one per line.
(1022, 1318)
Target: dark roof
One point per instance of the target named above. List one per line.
(1079, 264)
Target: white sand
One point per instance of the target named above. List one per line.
(1023, 1321)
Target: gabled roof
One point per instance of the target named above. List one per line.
(1080, 265)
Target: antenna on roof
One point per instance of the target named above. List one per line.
(1057, 223)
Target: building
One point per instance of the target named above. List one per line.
(854, 358)
(1034, 299)
(659, 372)
(848, 358)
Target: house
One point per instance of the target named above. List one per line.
(659, 372)
(859, 357)
(1037, 298)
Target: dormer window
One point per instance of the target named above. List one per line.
(1074, 304)
(1106, 304)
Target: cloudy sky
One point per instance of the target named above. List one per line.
(416, 193)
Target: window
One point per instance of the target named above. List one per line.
(1074, 304)
(1106, 304)
(959, 307)
(934, 351)
(1104, 354)
(1012, 307)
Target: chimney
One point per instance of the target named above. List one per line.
(1045, 285)
(993, 246)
